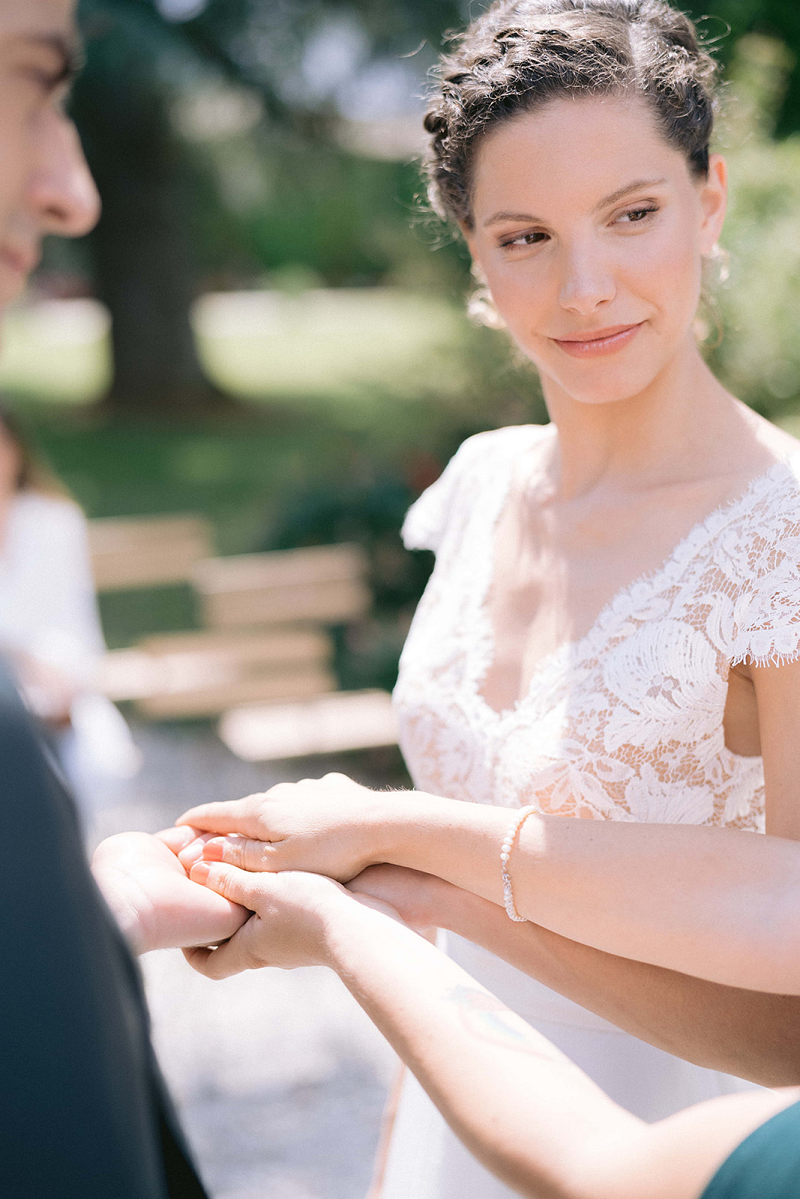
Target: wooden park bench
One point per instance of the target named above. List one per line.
(149, 551)
(262, 661)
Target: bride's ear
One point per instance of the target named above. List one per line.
(480, 305)
(713, 203)
(481, 308)
(468, 233)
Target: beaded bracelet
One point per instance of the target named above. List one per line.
(505, 853)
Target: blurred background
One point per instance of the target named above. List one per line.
(267, 331)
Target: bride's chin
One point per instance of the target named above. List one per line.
(590, 397)
(596, 392)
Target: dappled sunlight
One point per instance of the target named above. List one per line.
(57, 350)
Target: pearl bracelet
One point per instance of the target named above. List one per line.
(505, 853)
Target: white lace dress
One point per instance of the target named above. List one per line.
(624, 723)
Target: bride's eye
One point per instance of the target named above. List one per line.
(636, 216)
(532, 238)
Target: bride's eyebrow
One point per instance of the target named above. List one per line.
(622, 192)
(527, 217)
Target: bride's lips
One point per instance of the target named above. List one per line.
(602, 341)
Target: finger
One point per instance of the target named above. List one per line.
(237, 885)
(194, 850)
(177, 839)
(223, 962)
(242, 852)
(233, 816)
(196, 957)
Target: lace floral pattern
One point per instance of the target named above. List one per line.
(626, 722)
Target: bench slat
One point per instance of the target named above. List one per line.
(286, 644)
(326, 603)
(162, 664)
(326, 724)
(281, 568)
(210, 700)
(146, 552)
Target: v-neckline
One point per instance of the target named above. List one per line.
(682, 551)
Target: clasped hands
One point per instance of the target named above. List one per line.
(259, 881)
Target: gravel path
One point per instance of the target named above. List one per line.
(279, 1076)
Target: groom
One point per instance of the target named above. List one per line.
(84, 1113)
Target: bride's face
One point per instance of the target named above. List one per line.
(590, 231)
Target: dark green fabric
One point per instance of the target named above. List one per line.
(766, 1165)
(83, 1110)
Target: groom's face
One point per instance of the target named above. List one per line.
(45, 185)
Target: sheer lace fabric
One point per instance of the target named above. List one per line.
(625, 723)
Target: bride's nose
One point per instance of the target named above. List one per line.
(586, 280)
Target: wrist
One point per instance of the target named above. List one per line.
(413, 827)
(344, 924)
(453, 908)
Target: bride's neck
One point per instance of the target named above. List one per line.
(662, 434)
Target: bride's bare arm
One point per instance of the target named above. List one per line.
(518, 1104)
(746, 1033)
(719, 904)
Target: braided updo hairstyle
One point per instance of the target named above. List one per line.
(522, 53)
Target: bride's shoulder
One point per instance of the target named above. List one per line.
(769, 462)
(474, 466)
(480, 456)
(782, 498)
(489, 447)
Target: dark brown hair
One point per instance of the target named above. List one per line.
(522, 53)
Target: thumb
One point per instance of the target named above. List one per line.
(240, 886)
(177, 838)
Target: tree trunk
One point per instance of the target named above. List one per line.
(141, 250)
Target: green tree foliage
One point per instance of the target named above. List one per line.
(163, 219)
(724, 22)
(758, 354)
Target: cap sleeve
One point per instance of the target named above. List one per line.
(465, 477)
(427, 518)
(769, 631)
(766, 615)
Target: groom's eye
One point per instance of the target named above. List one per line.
(50, 65)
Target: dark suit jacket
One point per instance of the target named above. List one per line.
(84, 1113)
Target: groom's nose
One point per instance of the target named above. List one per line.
(61, 193)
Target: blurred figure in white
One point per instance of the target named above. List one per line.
(49, 623)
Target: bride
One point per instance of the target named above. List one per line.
(612, 628)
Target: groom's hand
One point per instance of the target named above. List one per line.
(156, 904)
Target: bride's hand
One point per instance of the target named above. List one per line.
(155, 903)
(420, 900)
(329, 826)
(293, 916)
